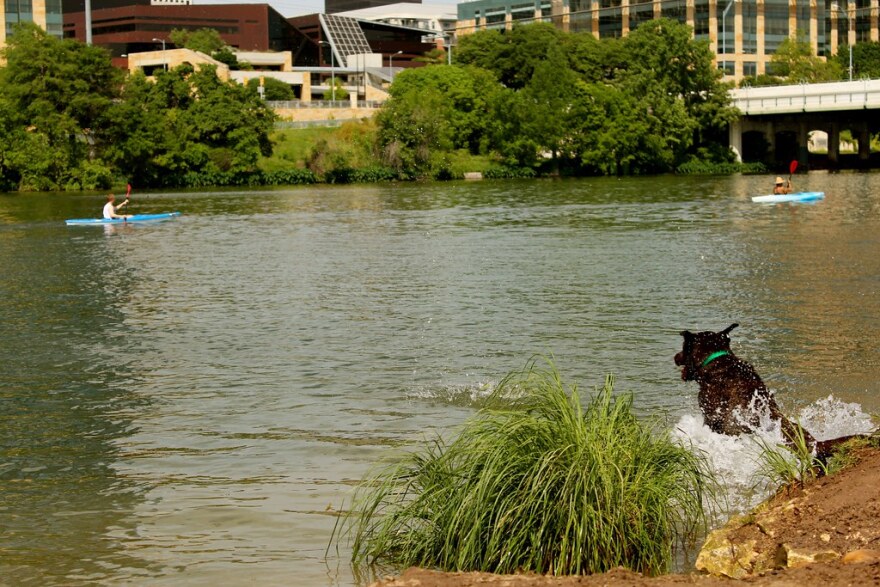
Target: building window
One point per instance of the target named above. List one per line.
(726, 25)
(750, 68)
(750, 27)
(775, 24)
(495, 20)
(639, 13)
(610, 19)
(863, 21)
(674, 10)
(522, 13)
(580, 16)
(701, 19)
(728, 67)
(546, 11)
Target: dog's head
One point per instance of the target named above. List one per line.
(698, 346)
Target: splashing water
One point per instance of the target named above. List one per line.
(736, 462)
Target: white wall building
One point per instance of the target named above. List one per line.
(433, 18)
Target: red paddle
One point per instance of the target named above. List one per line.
(791, 169)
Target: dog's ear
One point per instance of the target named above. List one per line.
(729, 328)
(686, 334)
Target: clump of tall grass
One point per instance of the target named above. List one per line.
(794, 464)
(538, 482)
(789, 464)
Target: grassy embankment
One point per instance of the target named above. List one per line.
(350, 146)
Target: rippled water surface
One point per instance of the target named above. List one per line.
(189, 402)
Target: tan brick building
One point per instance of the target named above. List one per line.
(744, 34)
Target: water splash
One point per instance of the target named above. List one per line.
(736, 462)
(463, 395)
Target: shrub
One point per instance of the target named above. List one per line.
(535, 483)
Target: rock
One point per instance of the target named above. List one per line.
(861, 556)
(722, 558)
(793, 558)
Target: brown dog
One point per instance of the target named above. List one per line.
(732, 395)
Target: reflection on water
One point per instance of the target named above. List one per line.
(192, 401)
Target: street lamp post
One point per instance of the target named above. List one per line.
(164, 58)
(332, 72)
(449, 50)
(724, 35)
(850, 27)
(391, 65)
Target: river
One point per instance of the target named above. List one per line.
(190, 402)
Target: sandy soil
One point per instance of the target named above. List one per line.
(838, 515)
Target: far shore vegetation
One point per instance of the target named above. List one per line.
(534, 101)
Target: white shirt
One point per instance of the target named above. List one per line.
(109, 210)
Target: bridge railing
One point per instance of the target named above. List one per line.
(825, 97)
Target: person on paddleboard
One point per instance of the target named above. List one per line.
(111, 210)
(782, 187)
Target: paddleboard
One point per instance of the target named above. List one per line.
(136, 219)
(797, 197)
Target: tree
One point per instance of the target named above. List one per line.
(866, 60)
(204, 40)
(513, 55)
(337, 92)
(412, 126)
(273, 89)
(546, 105)
(794, 59)
(611, 124)
(686, 103)
(207, 41)
(59, 93)
(463, 96)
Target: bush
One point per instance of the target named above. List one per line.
(537, 483)
(509, 173)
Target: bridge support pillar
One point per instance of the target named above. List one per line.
(834, 144)
(864, 142)
(803, 147)
(735, 139)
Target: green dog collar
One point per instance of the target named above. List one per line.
(712, 357)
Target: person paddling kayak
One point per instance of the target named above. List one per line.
(782, 187)
(111, 210)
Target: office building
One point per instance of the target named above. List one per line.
(743, 34)
(45, 13)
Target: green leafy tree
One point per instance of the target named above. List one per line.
(462, 97)
(546, 104)
(794, 60)
(686, 103)
(866, 60)
(204, 40)
(512, 56)
(612, 121)
(435, 56)
(412, 126)
(338, 94)
(58, 92)
(480, 49)
(207, 41)
(273, 89)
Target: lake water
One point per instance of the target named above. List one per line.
(188, 403)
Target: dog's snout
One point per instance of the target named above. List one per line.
(679, 359)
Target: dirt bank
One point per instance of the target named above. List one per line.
(826, 534)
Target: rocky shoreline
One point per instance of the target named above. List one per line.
(826, 533)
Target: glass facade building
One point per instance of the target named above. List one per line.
(46, 13)
(744, 34)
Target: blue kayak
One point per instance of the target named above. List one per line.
(798, 197)
(136, 219)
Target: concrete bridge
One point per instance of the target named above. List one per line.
(778, 121)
